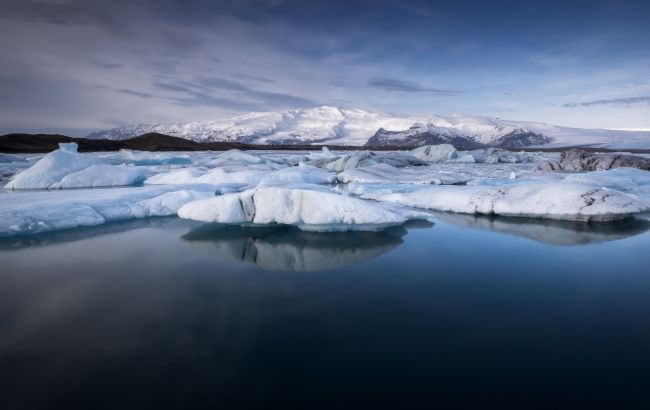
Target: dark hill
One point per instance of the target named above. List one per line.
(27, 143)
(35, 143)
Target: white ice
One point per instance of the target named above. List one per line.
(563, 201)
(308, 209)
(384, 173)
(66, 168)
(42, 211)
(374, 189)
(436, 153)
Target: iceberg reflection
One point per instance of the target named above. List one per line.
(551, 232)
(282, 247)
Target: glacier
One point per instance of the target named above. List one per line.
(355, 127)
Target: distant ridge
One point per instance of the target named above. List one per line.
(27, 143)
(38, 143)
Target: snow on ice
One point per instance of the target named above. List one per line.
(313, 190)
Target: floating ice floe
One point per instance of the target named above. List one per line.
(575, 160)
(153, 158)
(625, 179)
(300, 174)
(8, 158)
(497, 155)
(66, 168)
(102, 175)
(42, 211)
(384, 173)
(564, 201)
(360, 159)
(308, 209)
(238, 157)
(251, 175)
(435, 153)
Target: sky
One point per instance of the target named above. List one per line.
(75, 66)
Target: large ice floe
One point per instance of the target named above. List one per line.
(564, 201)
(43, 211)
(313, 190)
(303, 206)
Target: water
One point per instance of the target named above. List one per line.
(478, 312)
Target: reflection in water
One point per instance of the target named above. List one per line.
(83, 233)
(288, 248)
(550, 231)
(129, 316)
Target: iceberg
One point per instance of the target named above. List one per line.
(625, 179)
(66, 168)
(435, 153)
(42, 211)
(52, 168)
(384, 173)
(251, 175)
(576, 160)
(308, 209)
(563, 201)
(152, 158)
(102, 175)
(301, 174)
(235, 156)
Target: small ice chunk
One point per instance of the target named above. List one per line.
(300, 174)
(435, 153)
(384, 173)
(7, 158)
(350, 161)
(153, 158)
(236, 156)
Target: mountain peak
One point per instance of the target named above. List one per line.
(329, 124)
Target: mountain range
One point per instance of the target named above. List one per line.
(355, 127)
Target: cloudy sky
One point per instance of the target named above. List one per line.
(79, 65)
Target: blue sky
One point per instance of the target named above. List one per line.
(79, 65)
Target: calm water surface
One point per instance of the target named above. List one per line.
(477, 312)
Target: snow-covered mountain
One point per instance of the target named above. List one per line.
(336, 126)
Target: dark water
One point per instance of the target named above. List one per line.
(471, 312)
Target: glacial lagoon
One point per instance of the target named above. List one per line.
(468, 310)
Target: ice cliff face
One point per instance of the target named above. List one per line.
(337, 126)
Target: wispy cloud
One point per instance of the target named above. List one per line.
(392, 84)
(209, 90)
(614, 101)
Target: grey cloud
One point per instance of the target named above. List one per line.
(613, 101)
(253, 77)
(391, 84)
(135, 93)
(111, 65)
(200, 92)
